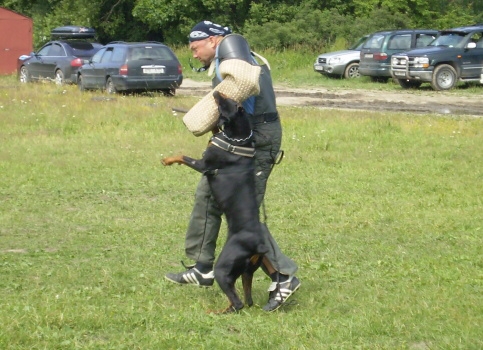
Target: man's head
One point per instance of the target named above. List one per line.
(204, 38)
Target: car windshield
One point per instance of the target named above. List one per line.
(81, 45)
(358, 44)
(82, 48)
(448, 39)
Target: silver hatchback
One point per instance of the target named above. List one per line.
(343, 63)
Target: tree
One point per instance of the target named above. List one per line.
(274, 23)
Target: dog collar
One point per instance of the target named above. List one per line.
(241, 151)
(238, 140)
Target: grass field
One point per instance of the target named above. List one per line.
(381, 211)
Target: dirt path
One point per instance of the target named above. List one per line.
(413, 101)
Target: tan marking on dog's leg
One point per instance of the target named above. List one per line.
(268, 265)
(171, 160)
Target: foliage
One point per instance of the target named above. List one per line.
(268, 23)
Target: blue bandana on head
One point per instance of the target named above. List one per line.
(205, 29)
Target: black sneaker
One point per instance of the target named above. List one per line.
(192, 276)
(280, 292)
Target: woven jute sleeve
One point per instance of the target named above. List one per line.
(240, 81)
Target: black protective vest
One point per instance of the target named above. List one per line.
(236, 46)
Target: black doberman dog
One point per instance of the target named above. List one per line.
(229, 167)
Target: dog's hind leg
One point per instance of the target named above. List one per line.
(247, 278)
(235, 302)
(247, 281)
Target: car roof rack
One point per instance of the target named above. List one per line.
(73, 32)
(134, 42)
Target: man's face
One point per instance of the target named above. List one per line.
(204, 50)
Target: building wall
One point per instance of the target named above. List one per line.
(16, 39)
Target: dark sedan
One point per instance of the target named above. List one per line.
(58, 60)
(142, 66)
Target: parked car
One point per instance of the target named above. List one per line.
(455, 55)
(343, 63)
(376, 52)
(59, 59)
(122, 66)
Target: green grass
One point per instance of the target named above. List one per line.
(381, 211)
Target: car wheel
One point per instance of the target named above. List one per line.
(110, 88)
(444, 77)
(80, 83)
(169, 92)
(352, 71)
(59, 77)
(408, 84)
(24, 76)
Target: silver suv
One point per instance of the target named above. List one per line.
(343, 63)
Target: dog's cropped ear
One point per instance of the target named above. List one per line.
(226, 106)
(218, 96)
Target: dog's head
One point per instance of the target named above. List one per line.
(228, 109)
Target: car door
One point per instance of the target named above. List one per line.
(49, 61)
(37, 64)
(472, 58)
(100, 68)
(88, 70)
(107, 64)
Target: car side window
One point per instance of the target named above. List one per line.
(476, 38)
(118, 54)
(56, 50)
(107, 56)
(423, 40)
(399, 42)
(97, 57)
(374, 42)
(44, 51)
(479, 43)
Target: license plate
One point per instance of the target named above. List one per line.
(400, 74)
(153, 70)
(368, 55)
(319, 68)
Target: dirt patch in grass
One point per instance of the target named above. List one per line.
(412, 101)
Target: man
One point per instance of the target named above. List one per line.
(238, 76)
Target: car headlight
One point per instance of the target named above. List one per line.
(334, 60)
(421, 62)
(399, 61)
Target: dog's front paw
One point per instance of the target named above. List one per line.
(171, 160)
(167, 161)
